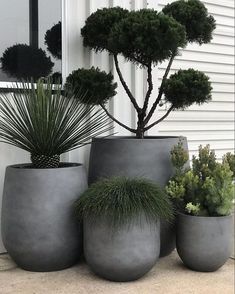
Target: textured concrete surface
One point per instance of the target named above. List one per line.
(169, 276)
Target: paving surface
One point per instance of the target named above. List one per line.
(169, 276)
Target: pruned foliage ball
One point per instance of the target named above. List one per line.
(53, 40)
(98, 26)
(146, 36)
(98, 85)
(120, 199)
(186, 87)
(25, 62)
(194, 16)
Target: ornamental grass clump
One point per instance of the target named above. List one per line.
(120, 200)
(146, 38)
(47, 122)
(204, 190)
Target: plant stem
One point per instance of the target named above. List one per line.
(132, 98)
(116, 120)
(160, 119)
(150, 89)
(155, 104)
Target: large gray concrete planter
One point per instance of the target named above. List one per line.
(39, 229)
(128, 156)
(204, 243)
(123, 254)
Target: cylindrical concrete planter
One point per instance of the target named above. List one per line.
(204, 243)
(121, 254)
(39, 229)
(128, 156)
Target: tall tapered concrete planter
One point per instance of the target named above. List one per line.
(121, 254)
(39, 229)
(204, 243)
(128, 156)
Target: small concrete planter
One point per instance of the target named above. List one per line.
(204, 243)
(131, 157)
(39, 229)
(123, 254)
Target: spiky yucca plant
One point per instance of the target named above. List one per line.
(46, 122)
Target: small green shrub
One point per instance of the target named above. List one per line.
(25, 62)
(53, 40)
(98, 85)
(206, 189)
(193, 15)
(119, 199)
(230, 159)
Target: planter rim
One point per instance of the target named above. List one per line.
(28, 166)
(203, 217)
(135, 138)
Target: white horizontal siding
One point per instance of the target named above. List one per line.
(211, 123)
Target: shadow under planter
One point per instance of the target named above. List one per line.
(204, 243)
(39, 228)
(121, 254)
(132, 157)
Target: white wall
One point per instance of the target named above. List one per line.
(211, 123)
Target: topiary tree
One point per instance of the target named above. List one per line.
(25, 62)
(53, 40)
(146, 38)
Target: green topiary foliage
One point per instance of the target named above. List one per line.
(53, 40)
(97, 84)
(98, 26)
(121, 199)
(146, 36)
(194, 16)
(186, 87)
(25, 62)
(206, 189)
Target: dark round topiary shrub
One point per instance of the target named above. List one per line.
(186, 87)
(98, 84)
(98, 25)
(120, 199)
(194, 16)
(53, 40)
(146, 36)
(25, 62)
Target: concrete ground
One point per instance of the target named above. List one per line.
(169, 276)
